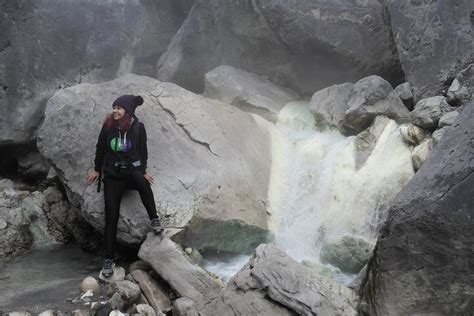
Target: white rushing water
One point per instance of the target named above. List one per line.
(317, 194)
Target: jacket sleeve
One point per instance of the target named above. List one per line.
(143, 149)
(100, 150)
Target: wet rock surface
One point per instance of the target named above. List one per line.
(423, 259)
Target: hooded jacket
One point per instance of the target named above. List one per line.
(128, 146)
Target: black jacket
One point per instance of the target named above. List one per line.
(110, 149)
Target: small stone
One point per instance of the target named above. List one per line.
(145, 310)
(412, 135)
(102, 309)
(188, 250)
(184, 307)
(116, 313)
(49, 312)
(448, 119)
(116, 301)
(129, 291)
(89, 283)
(19, 314)
(119, 275)
(80, 312)
(405, 93)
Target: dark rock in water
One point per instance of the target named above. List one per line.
(349, 254)
(49, 45)
(434, 41)
(301, 44)
(423, 261)
(272, 283)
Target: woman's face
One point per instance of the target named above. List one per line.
(118, 112)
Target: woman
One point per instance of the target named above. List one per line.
(121, 153)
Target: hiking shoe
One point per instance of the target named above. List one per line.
(108, 268)
(156, 225)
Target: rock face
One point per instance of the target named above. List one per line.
(423, 259)
(274, 284)
(306, 45)
(247, 91)
(434, 40)
(349, 254)
(48, 45)
(173, 266)
(212, 162)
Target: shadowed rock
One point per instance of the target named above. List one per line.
(423, 259)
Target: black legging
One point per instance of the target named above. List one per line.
(113, 191)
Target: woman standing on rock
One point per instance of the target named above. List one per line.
(122, 154)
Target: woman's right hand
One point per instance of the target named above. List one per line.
(92, 176)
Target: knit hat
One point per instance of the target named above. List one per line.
(129, 103)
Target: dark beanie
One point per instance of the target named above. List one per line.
(129, 103)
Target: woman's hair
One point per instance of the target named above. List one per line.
(123, 123)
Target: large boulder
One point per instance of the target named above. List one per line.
(370, 97)
(434, 40)
(211, 162)
(272, 283)
(423, 259)
(247, 91)
(48, 45)
(304, 45)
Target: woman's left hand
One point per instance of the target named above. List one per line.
(149, 178)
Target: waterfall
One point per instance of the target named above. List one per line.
(318, 194)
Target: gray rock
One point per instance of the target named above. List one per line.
(428, 111)
(247, 91)
(89, 283)
(370, 97)
(329, 105)
(405, 93)
(305, 45)
(119, 275)
(173, 266)
(129, 291)
(438, 134)
(19, 314)
(49, 45)
(364, 142)
(420, 152)
(274, 284)
(462, 88)
(448, 119)
(184, 307)
(199, 135)
(49, 312)
(15, 236)
(412, 135)
(80, 312)
(102, 309)
(434, 41)
(33, 164)
(116, 302)
(350, 254)
(145, 310)
(5, 184)
(423, 258)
